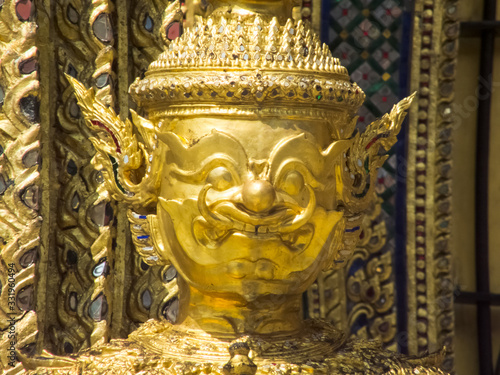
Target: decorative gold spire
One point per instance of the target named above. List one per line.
(247, 59)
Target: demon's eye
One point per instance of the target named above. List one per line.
(293, 183)
(220, 178)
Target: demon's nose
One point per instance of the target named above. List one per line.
(258, 195)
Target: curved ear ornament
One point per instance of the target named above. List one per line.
(125, 163)
(128, 167)
(147, 244)
(357, 173)
(363, 158)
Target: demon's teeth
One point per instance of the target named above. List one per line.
(249, 228)
(262, 229)
(239, 226)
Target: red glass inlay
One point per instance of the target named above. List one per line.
(97, 123)
(24, 9)
(371, 143)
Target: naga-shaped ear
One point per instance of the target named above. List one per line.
(126, 164)
(363, 158)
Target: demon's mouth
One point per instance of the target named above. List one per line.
(285, 221)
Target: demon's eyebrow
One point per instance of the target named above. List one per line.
(306, 151)
(190, 157)
(199, 176)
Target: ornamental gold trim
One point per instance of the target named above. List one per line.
(430, 286)
(21, 246)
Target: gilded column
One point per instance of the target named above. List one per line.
(430, 285)
(20, 182)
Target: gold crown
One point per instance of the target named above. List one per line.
(249, 60)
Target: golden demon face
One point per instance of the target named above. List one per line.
(243, 206)
(248, 213)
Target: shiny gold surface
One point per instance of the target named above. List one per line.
(78, 236)
(317, 351)
(246, 175)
